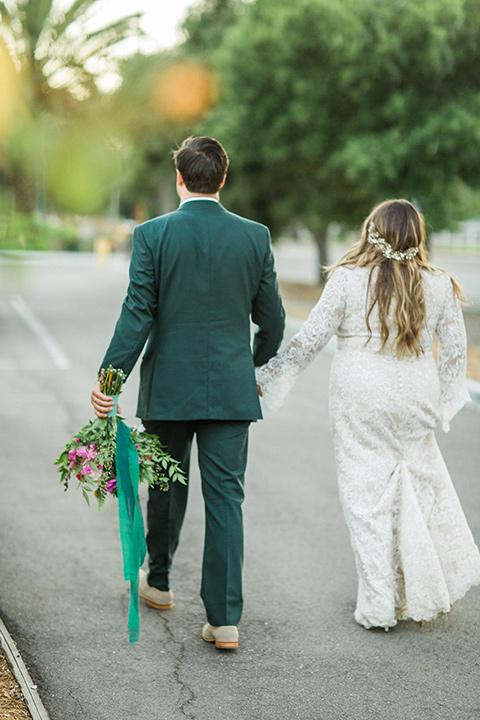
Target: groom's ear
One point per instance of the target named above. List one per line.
(180, 182)
(223, 181)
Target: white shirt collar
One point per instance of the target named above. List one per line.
(197, 198)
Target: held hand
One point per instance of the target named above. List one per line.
(260, 392)
(102, 404)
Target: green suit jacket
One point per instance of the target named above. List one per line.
(197, 277)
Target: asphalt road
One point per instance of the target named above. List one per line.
(62, 595)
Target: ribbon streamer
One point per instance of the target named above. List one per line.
(132, 532)
(114, 411)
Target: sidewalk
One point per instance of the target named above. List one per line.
(297, 262)
(19, 699)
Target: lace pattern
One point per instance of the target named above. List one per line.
(414, 552)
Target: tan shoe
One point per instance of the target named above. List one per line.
(158, 599)
(225, 637)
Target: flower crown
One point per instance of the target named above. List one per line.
(374, 238)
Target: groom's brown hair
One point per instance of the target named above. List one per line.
(202, 163)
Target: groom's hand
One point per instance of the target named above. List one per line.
(102, 404)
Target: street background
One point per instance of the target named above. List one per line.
(326, 108)
(62, 594)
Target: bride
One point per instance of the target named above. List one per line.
(414, 552)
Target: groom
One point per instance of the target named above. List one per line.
(197, 277)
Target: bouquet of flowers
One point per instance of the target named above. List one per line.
(90, 456)
(107, 457)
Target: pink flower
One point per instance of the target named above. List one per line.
(139, 458)
(87, 470)
(88, 453)
(111, 485)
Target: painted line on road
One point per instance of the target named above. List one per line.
(22, 676)
(56, 354)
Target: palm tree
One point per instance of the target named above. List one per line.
(54, 50)
(58, 60)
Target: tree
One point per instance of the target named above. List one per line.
(57, 61)
(206, 24)
(159, 103)
(54, 50)
(162, 99)
(328, 108)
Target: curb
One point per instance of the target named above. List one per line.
(22, 676)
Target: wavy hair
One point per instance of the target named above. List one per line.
(402, 226)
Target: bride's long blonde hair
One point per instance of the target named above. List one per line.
(398, 223)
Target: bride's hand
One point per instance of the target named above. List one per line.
(102, 404)
(260, 392)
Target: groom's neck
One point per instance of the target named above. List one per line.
(185, 194)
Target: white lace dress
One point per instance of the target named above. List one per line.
(414, 552)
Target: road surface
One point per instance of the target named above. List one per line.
(62, 594)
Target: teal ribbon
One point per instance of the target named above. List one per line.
(113, 412)
(132, 532)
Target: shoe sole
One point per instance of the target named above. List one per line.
(221, 645)
(226, 645)
(156, 606)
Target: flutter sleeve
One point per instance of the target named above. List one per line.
(452, 359)
(277, 377)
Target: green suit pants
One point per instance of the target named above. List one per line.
(222, 458)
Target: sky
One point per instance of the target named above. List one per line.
(160, 20)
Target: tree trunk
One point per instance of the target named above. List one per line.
(24, 188)
(320, 238)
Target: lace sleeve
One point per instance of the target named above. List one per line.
(452, 359)
(277, 377)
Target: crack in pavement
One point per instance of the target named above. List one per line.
(185, 690)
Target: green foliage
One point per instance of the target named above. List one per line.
(151, 134)
(52, 149)
(81, 170)
(111, 380)
(21, 231)
(89, 457)
(207, 23)
(328, 108)
(157, 468)
(148, 138)
(54, 49)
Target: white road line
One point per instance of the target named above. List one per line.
(56, 354)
